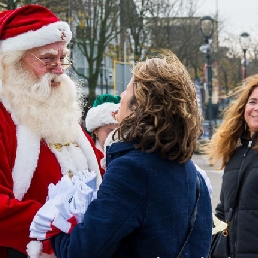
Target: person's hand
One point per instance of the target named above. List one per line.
(42, 225)
(218, 225)
(64, 209)
(42, 221)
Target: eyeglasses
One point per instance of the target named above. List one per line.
(51, 64)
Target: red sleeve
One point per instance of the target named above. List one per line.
(99, 154)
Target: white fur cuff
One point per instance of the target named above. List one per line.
(34, 250)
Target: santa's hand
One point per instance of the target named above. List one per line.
(41, 227)
(64, 209)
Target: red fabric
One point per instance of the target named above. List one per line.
(73, 221)
(24, 19)
(55, 231)
(46, 244)
(15, 215)
(99, 154)
(47, 247)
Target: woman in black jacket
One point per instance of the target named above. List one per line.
(234, 145)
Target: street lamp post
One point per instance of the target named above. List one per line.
(106, 78)
(244, 40)
(207, 26)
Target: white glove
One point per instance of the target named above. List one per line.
(60, 188)
(41, 224)
(66, 205)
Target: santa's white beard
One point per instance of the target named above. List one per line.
(53, 113)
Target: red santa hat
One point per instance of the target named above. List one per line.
(31, 26)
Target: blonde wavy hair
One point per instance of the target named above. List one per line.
(165, 114)
(225, 140)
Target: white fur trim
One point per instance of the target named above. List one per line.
(101, 115)
(27, 154)
(88, 151)
(34, 250)
(48, 34)
(78, 158)
(71, 158)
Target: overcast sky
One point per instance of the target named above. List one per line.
(241, 15)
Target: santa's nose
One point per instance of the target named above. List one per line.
(58, 69)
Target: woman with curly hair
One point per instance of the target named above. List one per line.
(234, 148)
(145, 203)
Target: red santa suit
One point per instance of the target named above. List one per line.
(27, 166)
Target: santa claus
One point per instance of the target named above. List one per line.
(40, 135)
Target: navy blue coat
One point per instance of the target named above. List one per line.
(142, 210)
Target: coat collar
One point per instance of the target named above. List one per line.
(120, 147)
(246, 141)
(27, 154)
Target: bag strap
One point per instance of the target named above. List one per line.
(193, 216)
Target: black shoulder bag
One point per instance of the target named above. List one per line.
(193, 216)
(220, 247)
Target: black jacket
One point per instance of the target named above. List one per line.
(243, 229)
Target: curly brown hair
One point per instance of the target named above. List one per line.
(224, 141)
(165, 114)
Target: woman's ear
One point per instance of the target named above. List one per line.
(96, 132)
(133, 103)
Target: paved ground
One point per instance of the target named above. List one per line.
(214, 175)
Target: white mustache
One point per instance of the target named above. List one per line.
(42, 88)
